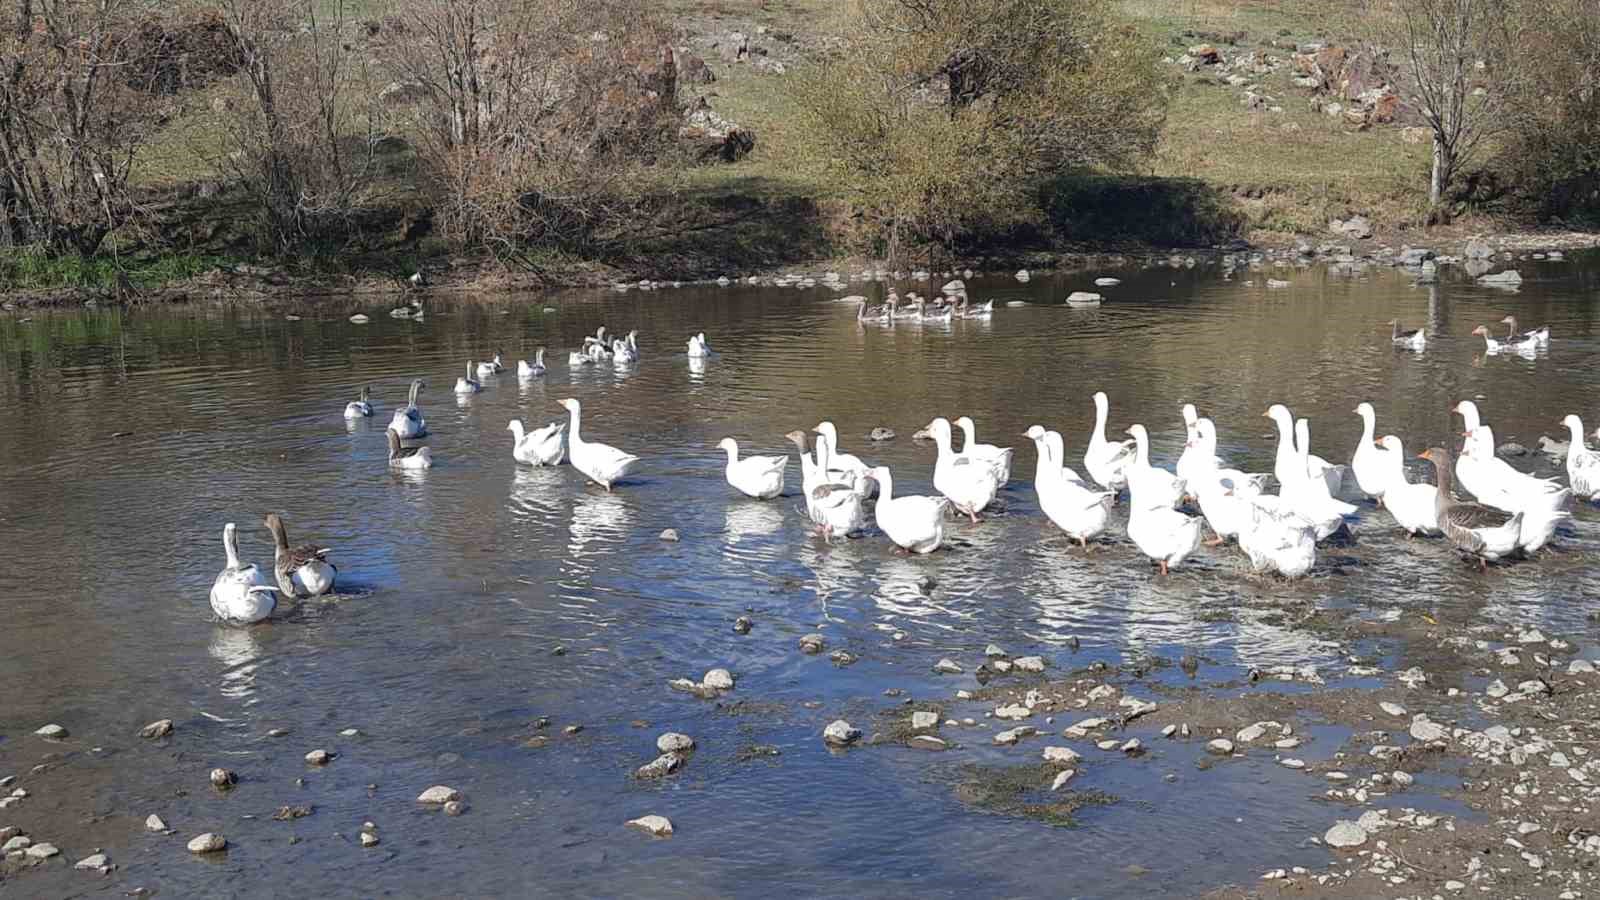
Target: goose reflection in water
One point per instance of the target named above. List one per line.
(598, 518)
(900, 592)
(697, 368)
(834, 572)
(535, 492)
(746, 521)
(240, 653)
(1258, 643)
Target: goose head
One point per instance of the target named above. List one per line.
(1574, 425)
(969, 430)
(1101, 402)
(798, 438)
(1480, 331)
(572, 406)
(1279, 414)
(1467, 410)
(1510, 320)
(939, 429)
(1190, 416)
(730, 445)
(515, 427)
(1392, 443)
(1366, 412)
(1034, 433)
(826, 429)
(366, 392)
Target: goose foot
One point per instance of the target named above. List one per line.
(1163, 564)
(1216, 541)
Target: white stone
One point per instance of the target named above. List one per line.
(1559, 760)
(1220, 746)
(1290, 763)
(1250, 733)
(319, 757)
(52, 732)
(1030, 664)
(1012, 712)
(42, 850)
(97, 861)
(1373, 821)
(1062, 778)
(924, 720)
(1402, 779)
(1081, 729)
(1393, 709)
(840, 733)
(1580, 667)
(19, 842)
(1065, 756)
(368, 839)
(1453, 885)
(1496, 689)
(947, 667)
(718, 679)
(1345, 833)
(439, 794)
(154, 823)
(1424, 730)
(208, 843)
(673, 742)
(656, 825)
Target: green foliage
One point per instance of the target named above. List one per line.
(1170, 212)
(940, 118)
(35, 269)
(1553, 153)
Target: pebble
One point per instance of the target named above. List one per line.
(812, 644)
(1393, 709)
(1169, 731)
(1133, 747)
(154, 823)
(670, 535)
(1013, 712)
(350, 732)
(927, 742)
(8, 781)
(157, 729)
(1529, 828)
(42, 850)
(52, 732)
(1401, 779)
(947, 667)
(922, 721)
(1030, 664)
(840, 733)
(1424, 730)
(842, 658)
(278, 732)
(1107, 745)
(994, 651)
(660, 767)
(1345, 833)
(742, 625)
(208, 843)
(1065, 756)
(1250, 734)
(223, 778)
(439, 794)
(572, 729)
(454, 808)
(1496, 689)
(656, 825)
(1292, 763)
(1000, 665)
(319, 757)
(97, 861)
(368, 839)
(1013, 735)
(1220, 746)
(1453, 885)
(17, 842)
(673, 742)
(718, 679)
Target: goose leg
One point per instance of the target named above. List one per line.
(1163, 566)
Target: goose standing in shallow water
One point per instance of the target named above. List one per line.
(968, 484)
(241, 594)
(1106, 462)
(407, 422)
(838, 461)
(1583, 464)
(602, 463)
(1543, 502)
(1308, 494)
(1413, 506)
(1415, 339)
(1276, 538)
(302, 571)
(1155, 486)
(526, 371)
(839, 502)
(541, 447)
(1370, 462)
(1194, 462)
(466, 384)
(1287, 465)
(760, 477)
(359, 408)
(1486, 533)
(998, 458)
(1160, 532)
(914, 523)
(1067, 502)
(408, 457)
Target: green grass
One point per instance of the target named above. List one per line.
(31, 269)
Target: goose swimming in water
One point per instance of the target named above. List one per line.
(1524, 346)
(407, 422)
(408, 457)
(466, 384)
(1540, 335)
(241, 594)
(1583, 464)
(359, 408)
(760, 477)
(302, 571)
(1414, 339)
(602, 463)
(526, 371)
(698, 349)
(541, 447)
(490, 368)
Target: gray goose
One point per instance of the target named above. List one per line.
(1482, 531)
(302, 571)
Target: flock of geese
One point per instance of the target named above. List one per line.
(1523, 343)
(1513, 512)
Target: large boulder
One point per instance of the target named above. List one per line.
(714, 137)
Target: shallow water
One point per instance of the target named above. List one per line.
(130, 437)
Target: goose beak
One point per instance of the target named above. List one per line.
(1266, 415)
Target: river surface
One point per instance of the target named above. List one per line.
(482, 596)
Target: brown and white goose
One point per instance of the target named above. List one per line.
(1415, 339)
(302, 571)
(408, 457)
(1482, 531)
(1540, 335)
(407, 421)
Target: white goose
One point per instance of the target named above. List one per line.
(1160, 532)
(602, 463)
(998, 458)
(970, 486)
(361, 407)
(698, 349)
(914, 523)
(1277, 539)
(1287, 463)
(490, 368)
(1067, 502)
(1543, 502)
(1583, 464)
(1370, 463)
(760, 477)
(1106, 462)
(466, 384)
(408, 457)
(839, 463)
(1307, 494)
(1540, 335)
(1193, 463)
(526, 370)
(540, 447)
(407, 422)
(578, 358)
(1523, 346)
(1411, 505)
(622, 354)
(241, 594)
(810, 475)
(840, 498)
(1224, 494)
(1152, 485)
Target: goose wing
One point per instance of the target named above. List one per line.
(295, 557)
(1475, 516)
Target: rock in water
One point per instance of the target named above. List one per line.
(812, 644)
(840, 733)
(454, 808)
(319, 757)
(656, 825)
(1345, 833)
(881, 434)
(208, 843)
(922, 721)
(670, 535)
(673, 742)
(223, 778)
(660, 767)
(97, 861)
(718, 680)
(52, 732)
(1082, 299)
(1425, 731)
(439, 794)
(157, 729)
(742, 625)
(368, 839)
(947, 667)
(1220, 746)
(42, 850)
(1061, 756)
(154, 823)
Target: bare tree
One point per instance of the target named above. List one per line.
(1460, 69)
(72, 121)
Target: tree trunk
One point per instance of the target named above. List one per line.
(1436, 186)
